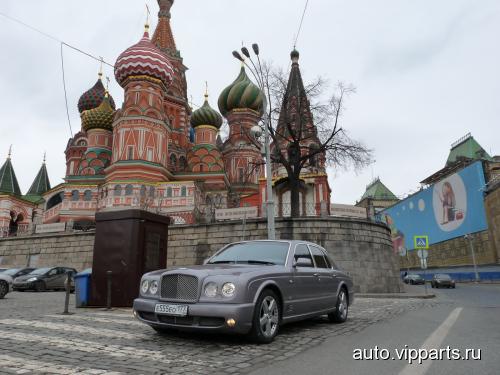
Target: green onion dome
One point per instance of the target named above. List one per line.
(242, 94)
(206, 115)
(100, 117)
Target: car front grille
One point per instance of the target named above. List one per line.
(178, 287)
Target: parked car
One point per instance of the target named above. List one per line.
(414, 279)
(442, 279)
(5, 284)
(247, 287)
(49, 278)
(16, 272)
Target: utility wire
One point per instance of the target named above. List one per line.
(300, 25)
(65, 92)
(54, 38)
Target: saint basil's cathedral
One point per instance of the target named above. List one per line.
(155, 153)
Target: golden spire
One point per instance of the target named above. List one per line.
(10, 152)
(44, 157)
(101, 67)
(146, 26)
(206, 91)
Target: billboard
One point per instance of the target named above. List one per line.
(450, 208)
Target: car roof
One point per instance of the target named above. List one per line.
(292, 242)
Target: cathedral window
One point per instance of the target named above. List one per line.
(130, 152)
(87, 195)
(183, 191)
(75, 195)
(169, 192)
(143, 191)
(182, 163)
(118, 190)
(150, 154)
(151, 191)
(137, 98)
(241, 174)
(173, 160)
(129, 189)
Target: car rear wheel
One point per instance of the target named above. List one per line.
(266, 317)
(4, 288)
(341, 309)
(40, 286)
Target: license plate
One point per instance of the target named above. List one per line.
(167, 309)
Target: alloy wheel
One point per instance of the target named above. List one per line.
(269, 316)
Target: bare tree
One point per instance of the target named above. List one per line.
(304, 127)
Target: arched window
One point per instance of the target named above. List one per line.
(87, 195)
(152, 191)
(208, 200)
(169, 192)
(143, 191)
(182, 163)
(82, 143)
(75, 195)
(129, 189)
(183, 191)
(55, 200)
(118, 190)
(173, 160)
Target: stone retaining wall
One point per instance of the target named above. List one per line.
(361, 248)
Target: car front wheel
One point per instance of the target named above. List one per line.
(4, 289)
(266, 317)
(341, 309)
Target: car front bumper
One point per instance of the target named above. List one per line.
(201, 316)
(23, 286)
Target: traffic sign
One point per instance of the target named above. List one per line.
(423, 263)
(421, 242)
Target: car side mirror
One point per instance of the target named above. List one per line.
(303, 262)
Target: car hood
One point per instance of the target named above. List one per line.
(219, 269)
(6, 278)
(26, 277)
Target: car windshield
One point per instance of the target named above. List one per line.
(443, 276)
(11, 272)
(39, 271)
(415, 276)
(272, 252)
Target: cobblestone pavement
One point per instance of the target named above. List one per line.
(37, 339)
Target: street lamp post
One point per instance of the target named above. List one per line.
(257, 72)
(473, 254)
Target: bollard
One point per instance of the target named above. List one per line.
(109, 274)
(67, 285)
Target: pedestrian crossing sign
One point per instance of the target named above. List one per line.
(421, 242)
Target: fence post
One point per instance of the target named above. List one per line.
(67, 285)
(109, 275)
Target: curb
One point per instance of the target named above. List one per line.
(394, 295)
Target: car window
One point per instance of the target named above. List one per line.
(302, 251)
(11, 272)
(319, 257)
(52, 272)
(260, 252)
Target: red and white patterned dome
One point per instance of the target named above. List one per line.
(143, 58)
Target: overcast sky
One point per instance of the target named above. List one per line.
(426, 72)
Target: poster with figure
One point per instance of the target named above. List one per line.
(450, 208)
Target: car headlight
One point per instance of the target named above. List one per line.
(144, 286)
(153, 287)
(31, 279)
(228, 289)
(211, 289)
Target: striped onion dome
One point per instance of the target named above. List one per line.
(93, 97)
(100, 117)
(143, 59)
(242, 94)
(206, 115)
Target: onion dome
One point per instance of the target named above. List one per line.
(206, 115)
(242, 94)
(93, 98)
(100, 117)
(143, 59)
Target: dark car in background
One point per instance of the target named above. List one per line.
(5, 284)
(48, 278)
(414, 279)
(16, 272)
(247, 287)
(442, 280)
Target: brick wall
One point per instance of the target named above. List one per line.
(492, 206)
(361, 248)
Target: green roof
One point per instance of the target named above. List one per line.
(377, 190)
(8, 180)
(467, 148)
(41, 184)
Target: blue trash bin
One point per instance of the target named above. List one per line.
(82, 287)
